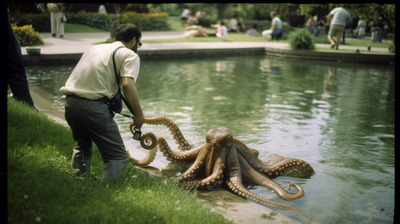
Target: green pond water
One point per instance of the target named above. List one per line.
(337, 117)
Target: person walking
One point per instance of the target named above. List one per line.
(339, 19)
(88, 91)
(56, 19)
(185, 15)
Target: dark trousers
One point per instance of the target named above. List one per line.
(91, 121)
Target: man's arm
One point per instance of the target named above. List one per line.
(132, 98)
(329, 18)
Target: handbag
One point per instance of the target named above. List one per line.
(115, 103)
(63, 18)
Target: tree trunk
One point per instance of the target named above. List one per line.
(221, 10)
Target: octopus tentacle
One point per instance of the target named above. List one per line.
(177, 156)
(212, 180)
(236, 185)
(148, 141)
(197, 164)
(234, 182)
(278, 168)
(150, 156)
(254, 152)
(286, 165)
(176, 133)
(243, 150)
(259, 179)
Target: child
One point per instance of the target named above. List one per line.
(222, 31)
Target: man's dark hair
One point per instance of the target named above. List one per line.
(125, 32)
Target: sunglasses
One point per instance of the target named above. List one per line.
(139, 44)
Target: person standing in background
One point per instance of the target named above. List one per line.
(56, 13)
(361, 28)
(102, 9)
(185, 16)
(199, 16)
(339, 19)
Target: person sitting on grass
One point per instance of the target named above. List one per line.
(222, 31)
(195, 31)
(253, 31)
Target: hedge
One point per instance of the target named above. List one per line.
(146, 21)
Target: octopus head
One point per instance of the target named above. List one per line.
(219, 137)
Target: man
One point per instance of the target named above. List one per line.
(56, 13)
(275, 31)
(88, 89)
(339, 18)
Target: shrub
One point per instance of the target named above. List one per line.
(96, 20)
(301, 39)
(40, 22)
(26, 35)
(147, 21)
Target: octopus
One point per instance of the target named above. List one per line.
(226, 160)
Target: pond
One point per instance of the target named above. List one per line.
(337, 117)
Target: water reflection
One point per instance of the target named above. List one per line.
(337, 117)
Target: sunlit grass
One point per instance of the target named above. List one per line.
(235, 37)
(42, 187)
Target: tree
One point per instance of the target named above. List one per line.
(221, 10)
(368, 11)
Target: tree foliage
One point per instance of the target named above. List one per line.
(370, 11)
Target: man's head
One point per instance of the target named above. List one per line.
(130, 35)
(273, 14)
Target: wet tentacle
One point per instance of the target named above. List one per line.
(255, 177)
(177, 156)
(214, 179)
(176, 133)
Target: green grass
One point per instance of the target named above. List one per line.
(175, 23)
(232, 37)
(42, 187)
(78, 28)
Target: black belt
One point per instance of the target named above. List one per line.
(103, 99)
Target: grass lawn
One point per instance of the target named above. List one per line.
(232, 37)
(42, 187)
(175, 25)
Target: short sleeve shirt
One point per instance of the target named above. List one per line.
(94, 77)
(277, 22)
(341, 17)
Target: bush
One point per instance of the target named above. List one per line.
(26, 35)
(301, 39)
(147, 21)
(40, 22)
(96, 20)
